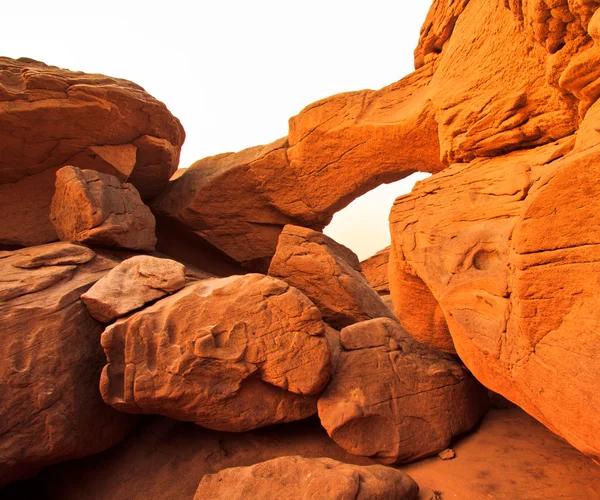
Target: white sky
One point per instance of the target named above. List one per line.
(233, 72)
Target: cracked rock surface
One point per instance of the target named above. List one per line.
(51, 361)
(298, 478)
(131, 284)
(395, 400)
(329, 274)
(95, 208)
(51, 117)
(229, 354)
(510, 251)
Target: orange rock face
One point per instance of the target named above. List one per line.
(131, 284)
(229, 354)
(51, 409)
(95, 208)
(301, 478)
(511, 261)
(50, 117)
(329, 274)
(395, 400)
(375, 269)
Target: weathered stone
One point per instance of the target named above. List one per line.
(329, 274)
(508, 248)
(229, 354)
(395, 400)
(298, 478)
(375, 269)
(133, 283)
(91, 207)
(50, 117)
(51, 361)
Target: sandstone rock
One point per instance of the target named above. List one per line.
(50, 117)
(375, 269)
(229, 354)
(222, 199)
(394, 399)
(508, 248)
(329, 274)
(131, 284)
(51, 361)
(304, 478)
(91, 207)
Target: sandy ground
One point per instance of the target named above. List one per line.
(510, 456)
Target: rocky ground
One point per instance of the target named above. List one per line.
(195, 335)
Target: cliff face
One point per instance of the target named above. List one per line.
(506, 239)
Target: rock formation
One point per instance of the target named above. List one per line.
(51, 361)
(229, 354)
(131, 284)
(395, 400)
(95, 208)
(375, 269)
(303, 478)
(329, 274)
(51, 117)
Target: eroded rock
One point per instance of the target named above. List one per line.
(508, 248)
(95, 208)
(229, 354)
(395, 400)
(133, 283)
(50, 117)
(329, 274)
(51, 361)
(302, 478)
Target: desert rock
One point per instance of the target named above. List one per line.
(329, 274)
(375, 269)
(508, 248)
(51, 361)
(131, 284)
(50, 117)
(229, 354)
(395, 400)
(298, 478)
(95, 208)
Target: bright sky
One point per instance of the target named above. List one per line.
(232, 71)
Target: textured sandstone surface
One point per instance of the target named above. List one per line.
(131, 284)
(229, 354)
(50, 117)
(95, 208)
(511, 261)
(298, 478)
(51, 361)
(375, 269)
(394, 399)
(224, 199)
(510, 456)
(329, 274)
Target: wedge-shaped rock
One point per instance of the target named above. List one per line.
(329, 274)
(509, 251)
(229, 354)
(51, 117)
(395, 400)
(298, 478)
(131, 284)
(375, 269)
(50, 361)
(95, 208)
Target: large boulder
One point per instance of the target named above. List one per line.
(395, 400)
(375, 269)
(132, 284)
(298, 478)
(50, 117)
(51, 361)
(95, 208)
(229, 354)
(329, 274)
(509, 249)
